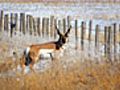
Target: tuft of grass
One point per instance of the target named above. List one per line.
(9, 63)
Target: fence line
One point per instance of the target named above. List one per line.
(34, 26)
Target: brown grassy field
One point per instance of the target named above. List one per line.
(71, 72)
(65, 74)
(84, 74)
(79, 76)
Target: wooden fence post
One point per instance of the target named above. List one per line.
(109, 43)
(38, 26)
(2, 21)
(68, 21)
(83, 27)
(76, 34)
(22, 23)
(43, 26)
(105, 40)
(51, 25)
(119, 37)
(34, 26)
(115, 40)
(31, 24)
(64, 25)
(16, 22)
(55, 24)
(27, 23)
(97, 36)
(6, 22)
(76, 31)
(90, 29)
(47, 27)
(12, 22)
(97, 29)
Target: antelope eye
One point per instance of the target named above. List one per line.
(63, 41)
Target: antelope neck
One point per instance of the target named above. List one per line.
(59, 44)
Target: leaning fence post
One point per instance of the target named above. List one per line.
(115, 40)
(2, 21)
(83, 27)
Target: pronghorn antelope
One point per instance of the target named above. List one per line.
(33, 52)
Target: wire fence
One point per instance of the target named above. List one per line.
(42, 27)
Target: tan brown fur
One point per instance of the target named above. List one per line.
(34, 54)
(34, 50)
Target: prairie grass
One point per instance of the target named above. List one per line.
(79, 76)
(62, 75)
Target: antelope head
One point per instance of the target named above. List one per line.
(63, 38)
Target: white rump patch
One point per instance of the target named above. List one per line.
(27, 50)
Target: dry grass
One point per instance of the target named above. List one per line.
(84, 75)
(80, 76)
(9, 63)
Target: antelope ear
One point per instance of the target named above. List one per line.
(68, 31)
(57, 30)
